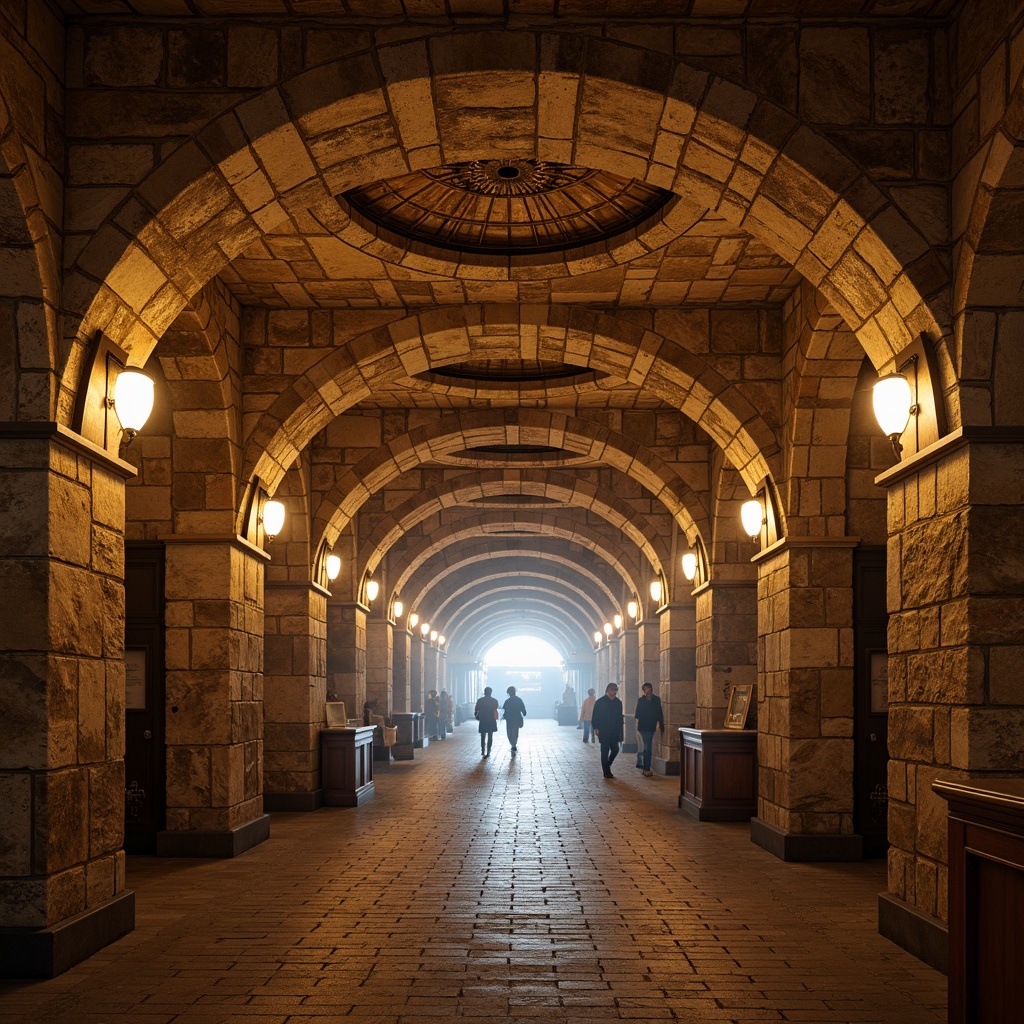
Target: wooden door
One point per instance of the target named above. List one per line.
(871, 714)
(144, 754)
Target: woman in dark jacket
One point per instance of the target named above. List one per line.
(515, 711)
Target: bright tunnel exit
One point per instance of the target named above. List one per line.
(533, 667)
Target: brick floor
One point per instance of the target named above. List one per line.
(528, 889)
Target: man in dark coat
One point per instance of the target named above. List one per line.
(649, 717)
(486, 712)
(607, 722)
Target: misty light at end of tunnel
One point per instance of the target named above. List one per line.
(529, 651)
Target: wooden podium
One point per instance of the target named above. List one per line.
(718, 774)
(346, 765)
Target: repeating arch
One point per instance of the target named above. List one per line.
(508, 426)
(565, 489)
(303, 141)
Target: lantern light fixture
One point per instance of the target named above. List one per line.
(656, 591)
(442, 640)
(333, 567)
(372, 590)
(634, 609)
(413, 620)
(433, 636)
(893, 403)
(597, 637)
(690, 565)
(753, 518)
(272, 518)
(424, 629)
(618, 622)
(132, 401)
(397, 608)
(608, 629)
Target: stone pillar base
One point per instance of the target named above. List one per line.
(293, 801)
(920, 934)
(662, 766)
(47, 952)
(791, 846)
(231, 843)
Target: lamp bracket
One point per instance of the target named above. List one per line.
(928, 410)
(94, 417)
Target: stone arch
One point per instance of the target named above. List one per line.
(477, 630)
(548, 535)
(30, 283)
(487, 632)
(508, 426)
(987, 300)
(350, 374)
(535, 597)
(363, 116)
(564, 489)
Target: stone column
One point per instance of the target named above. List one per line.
(294, 693)
(416, 691)
(214, 672)
(62, 885)
(649, 633)
(726, 647)
(677, 686)
(956, 644)
(378, 664)
(629, 681)
(346, 654)
(430, 668)
(805, 700)
(401, 642)
(442, 670)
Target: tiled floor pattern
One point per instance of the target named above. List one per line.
(517, 889)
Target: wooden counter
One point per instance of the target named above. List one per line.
(718, 774)
(346, 765)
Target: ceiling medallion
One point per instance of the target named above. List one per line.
(510, 177)
(507, 207)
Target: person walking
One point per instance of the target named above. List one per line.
(447, 714)
(432, 707)
(587, 716)
(486, 713)
(514, 711)
(608, 720)
(649, 716)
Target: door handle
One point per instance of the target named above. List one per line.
(874, 737)
(147, 735)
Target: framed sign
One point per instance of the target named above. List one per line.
(739, 707)
(135, 679)
(879, 665)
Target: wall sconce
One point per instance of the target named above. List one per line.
(424, 630)
(690, 565)
(597, 637)
(109, 385)
(760, 516)
(442, 640)
(608, 629)
(372, 590)
(633, 608)
(897, 397)
(272, 519)
(413, 619)
(695, 563)
(433, 636)
(397, 608)
(656, 591)
(618, 622)
(333, 567)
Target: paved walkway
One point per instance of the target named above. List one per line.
(523, 890)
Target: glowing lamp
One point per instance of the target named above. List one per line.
(656, 591)
(634, 610)
(597, 636)
(433, 636)
(424, 630)
(372, 590)
(132, 401)
(397, 608)
(607, 629)
(752, 517)
(441, 640)
(333, 567)
(893, 404)
(413, 619)
(273, 518)
(690, 565)
(618, 621)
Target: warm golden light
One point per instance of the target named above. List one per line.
(893, 404)
(752, 517)
(424, 630)
(273, 518)
(607, 629)
(372, 590)
(597, 636)
(690, 565)
(618, 621)
(441, 640)
(656, 591)
(397, 608)
(333, 567)
(133, 401)
(413, 619)
(433, 636)
(634, 610)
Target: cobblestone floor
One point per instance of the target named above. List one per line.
(518, 889)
